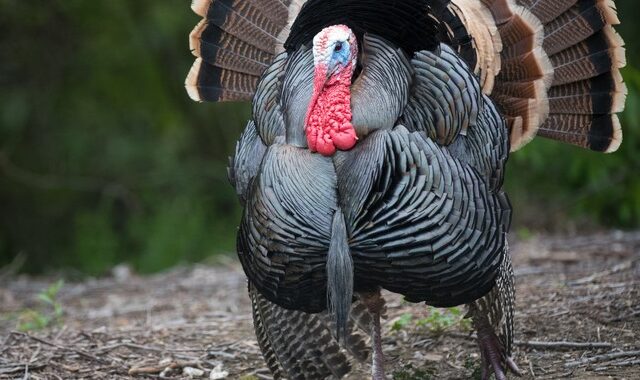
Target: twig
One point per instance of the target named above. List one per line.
(146, 370)
(48, 343)
(625, 363)
(132, 346)
(159, 368)
(5, 346)
(563, 345)
(33, 358)
(26, 372)
(623, 317)
(533, 374)
(221, 353)
(19, 367)
(599, 358)
(618, 268)
(550, 345)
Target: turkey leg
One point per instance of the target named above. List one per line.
(375, 304)
(492, 352)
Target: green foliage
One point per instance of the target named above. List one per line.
(440, 320)
(402, 322)
(523, 233)
(48, 312)
(410, 373)
(104, 159)
(437, 322)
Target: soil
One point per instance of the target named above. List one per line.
(578, 316)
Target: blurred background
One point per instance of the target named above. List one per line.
(105, 160)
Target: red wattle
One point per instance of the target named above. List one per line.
(328, 126)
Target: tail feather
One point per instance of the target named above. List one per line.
(588, 66)
(276, 12)
(587, 89)
(234, 43)
(592, 103)
(210, 83)
(242, 19)
(578, 23)
(524, 64)
(529, 90)
(560, 73)
(521, 68)
(339, 276)
(596, 55)
(601, 133)
(600, 95)
(547, 11)
(223, 50)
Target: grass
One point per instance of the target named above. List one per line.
(410, 373)
(47, 313)
(437, 322)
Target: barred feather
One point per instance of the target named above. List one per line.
(498, 307)
(552, 47)
(298, 345)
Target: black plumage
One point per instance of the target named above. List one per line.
(407, 23)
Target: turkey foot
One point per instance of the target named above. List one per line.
(375, 304)
(494, 359)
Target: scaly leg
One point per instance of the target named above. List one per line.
(494, 355)
(375, 304)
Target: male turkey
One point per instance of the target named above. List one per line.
(376, 154)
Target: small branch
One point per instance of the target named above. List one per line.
(600, 358)
(82, 353)
(624, 363)
(150, 370)
(624, 317)
(19, 367)
(618, 268)
(131, 346)
(563, 344)
(547, 345)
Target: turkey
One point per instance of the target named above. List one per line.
(376, 153)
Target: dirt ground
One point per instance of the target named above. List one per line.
(578, 316)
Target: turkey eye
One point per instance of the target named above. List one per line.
(338, 46)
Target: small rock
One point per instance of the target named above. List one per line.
(192, 372)
(121, 273)
(217, 373)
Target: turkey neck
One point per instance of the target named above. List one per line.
(328, 125)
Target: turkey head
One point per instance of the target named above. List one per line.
(328, 122)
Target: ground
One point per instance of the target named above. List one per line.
(578, 316)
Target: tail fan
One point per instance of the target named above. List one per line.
(234, 44)
(587, 90)
(560, 64)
